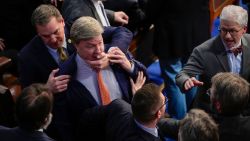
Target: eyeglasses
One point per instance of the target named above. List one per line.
(165, 102)
(230, 31)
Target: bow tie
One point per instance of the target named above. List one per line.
(235, 50)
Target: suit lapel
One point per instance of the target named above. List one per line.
(245, 59)
(94, 11)
(44, 56)
(221, 54)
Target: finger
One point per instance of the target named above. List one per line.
(62, 82)
(100, 56)
(52, 74)
(198, 83)
(116, 61)
(132, 82)
(63, 77)
(116, 57)
(140, 76)
(188, 84)
(91, 63)
(111, 49)
(2, 46)
(62, 88)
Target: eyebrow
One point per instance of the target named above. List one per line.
(55, 32)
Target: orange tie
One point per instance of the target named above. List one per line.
(104, 93)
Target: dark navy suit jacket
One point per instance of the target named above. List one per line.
(18, 134)
(36, 63)
(117, 122)
(77, 98)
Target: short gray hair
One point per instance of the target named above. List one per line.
(85, 28)
(234, 13)
(43, 14)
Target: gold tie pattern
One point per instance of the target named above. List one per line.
(104, 93)
(62, 54)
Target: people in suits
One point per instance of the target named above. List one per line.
(73, 9)
(33, 112)
(216, 55)
(84, 90)
(229, 96)
(182, 26)
(39, 60)
(122, 121)
(134, 10)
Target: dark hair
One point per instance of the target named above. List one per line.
(198, 126)
(231, 91)
(43, 14)
(33, 106)
(145, 102)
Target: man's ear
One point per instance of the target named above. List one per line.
(47, 121)
(159, 114)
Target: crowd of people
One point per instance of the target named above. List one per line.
(80, 81)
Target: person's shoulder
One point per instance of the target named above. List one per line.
(120, 106)
(31, 46)
(208, 44)
(3, 128)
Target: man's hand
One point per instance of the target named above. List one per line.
(59, 83)
(102, 61)
(191, 82)
(118, 57)
(140, 80)
(2, 45)
(121, 17)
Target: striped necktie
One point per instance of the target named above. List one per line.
(62, 54)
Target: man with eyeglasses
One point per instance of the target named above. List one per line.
(122, 121)
(228, 52)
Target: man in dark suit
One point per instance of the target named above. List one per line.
(121, 121)
(182, 26)
(85, 89)
(228, 52)
(33, 111)
(229, 96)
(39, 59)
(73, 9)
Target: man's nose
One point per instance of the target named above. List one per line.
(53, 38)
(228, 35)
(98, 49)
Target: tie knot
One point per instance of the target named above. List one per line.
(236, 50)
(62, 54)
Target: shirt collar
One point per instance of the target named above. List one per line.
(152, 131)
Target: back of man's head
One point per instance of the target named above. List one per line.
(43, 14)
(230, 92)
(33, 107)
(146, 102)
(198, 126)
